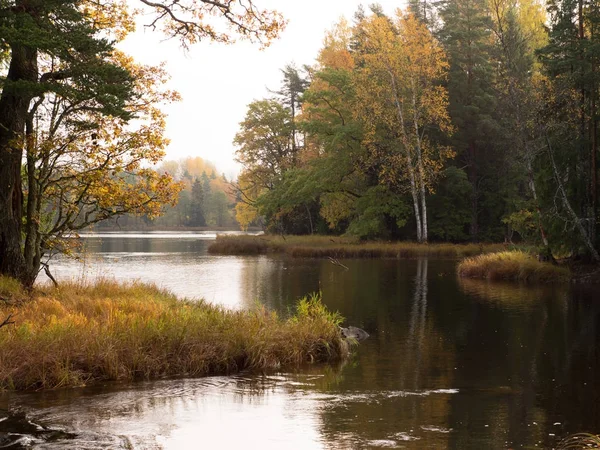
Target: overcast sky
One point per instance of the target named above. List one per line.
(218, 81)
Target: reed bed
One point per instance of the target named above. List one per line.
(79, 334)
(341, 247)
(512, 265)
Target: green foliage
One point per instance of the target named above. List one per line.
(373, 209)
(197, 205)
(450, 207)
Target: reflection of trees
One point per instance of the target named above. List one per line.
(416, 334)
(510, 295)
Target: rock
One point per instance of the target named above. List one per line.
(354, 333)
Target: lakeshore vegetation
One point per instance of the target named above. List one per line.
(341, 247)
(79, 334)
(447, 121)
(512, 265)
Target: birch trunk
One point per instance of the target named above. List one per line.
(421, 170)
(411, 169)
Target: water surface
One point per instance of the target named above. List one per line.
(450, 363)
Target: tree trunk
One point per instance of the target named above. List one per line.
(474, 227)
(32, 247)
(411, 169)
(535, 199)
(563, 194)
(14, 104)
(420, 171)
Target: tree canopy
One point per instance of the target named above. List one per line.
(80, 122)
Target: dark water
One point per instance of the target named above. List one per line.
(450, 363)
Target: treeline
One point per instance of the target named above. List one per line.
(449, 121)
(205, 199)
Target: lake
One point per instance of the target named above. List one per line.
(450, 364)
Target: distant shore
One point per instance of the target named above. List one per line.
(486, 261)
(342, 247)
(168, 229)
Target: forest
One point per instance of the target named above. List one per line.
(205, 199)
(446, 121)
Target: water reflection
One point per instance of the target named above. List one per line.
(450, 363)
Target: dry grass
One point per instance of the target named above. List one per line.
(80, 334)
(580, 441)
(512, 265)
(341, 247)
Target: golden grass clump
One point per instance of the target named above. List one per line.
(341, 247)
(79, 334)
(512, 265)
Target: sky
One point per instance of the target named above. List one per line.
(218, 81)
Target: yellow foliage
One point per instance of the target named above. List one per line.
(245, 214)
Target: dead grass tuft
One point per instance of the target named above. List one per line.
(512, 265)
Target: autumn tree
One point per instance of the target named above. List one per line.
(64, 75)
(268, 143)
(401, 67)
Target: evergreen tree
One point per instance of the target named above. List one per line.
(197, 205)
(38, 32)
(466, 36)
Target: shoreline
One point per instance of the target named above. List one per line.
(315, 246)
(81, 334)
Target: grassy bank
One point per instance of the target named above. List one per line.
(341, 247)
(80, 334)
(512, 265)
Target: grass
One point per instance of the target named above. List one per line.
(580, 441)
(341, 247)
(512, 265)
(80, 334)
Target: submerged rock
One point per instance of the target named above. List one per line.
(17, 431)
(354, 333)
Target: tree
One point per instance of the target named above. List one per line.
(399, 88)
(517, 32)
(570, 61)
(61, 57)
(197, 205)
(466, 37)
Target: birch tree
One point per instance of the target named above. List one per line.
(400, 71)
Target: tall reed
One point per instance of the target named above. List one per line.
(512, 265)
(79, 334)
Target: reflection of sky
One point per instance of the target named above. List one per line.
(285, 411)
(177, 262)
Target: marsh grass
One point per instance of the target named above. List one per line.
(341, 247)
(512, 265)
(81, 333)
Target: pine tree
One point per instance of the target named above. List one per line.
(197, 205)
(466, 36)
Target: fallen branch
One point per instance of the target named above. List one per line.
(335, 262)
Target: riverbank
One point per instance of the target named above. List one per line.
(81, 334)
(341, 247)
(512, 265)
